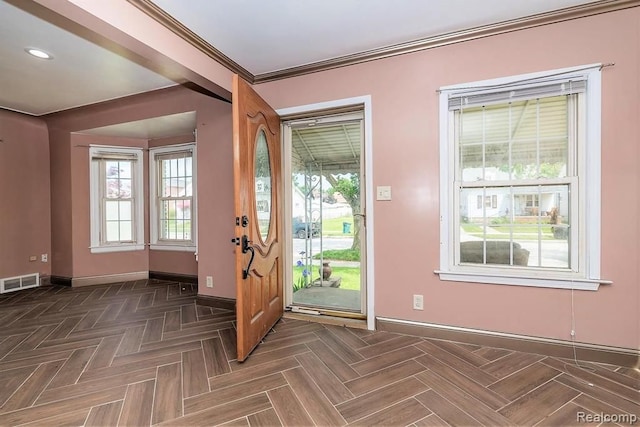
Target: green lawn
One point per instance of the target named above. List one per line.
(502, 231)
(506, 236)
(350, 276)
(522, 228)
(471, 228)
(333, 226)
(340, 255)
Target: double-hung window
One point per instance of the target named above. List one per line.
(172, 181)
(116, 199)
(520, 180)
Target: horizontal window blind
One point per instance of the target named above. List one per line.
(475, 97)
(325, 116)
(105, 155)
(182, 154)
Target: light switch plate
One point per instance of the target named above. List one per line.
(383, 192)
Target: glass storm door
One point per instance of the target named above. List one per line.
(325, 162)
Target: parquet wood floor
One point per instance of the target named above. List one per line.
(143, 353)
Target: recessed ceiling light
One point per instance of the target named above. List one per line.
(38, 53)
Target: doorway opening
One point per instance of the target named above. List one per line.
(325, 173)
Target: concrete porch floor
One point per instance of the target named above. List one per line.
(327, 297)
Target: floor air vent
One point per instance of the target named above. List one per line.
(21, 282)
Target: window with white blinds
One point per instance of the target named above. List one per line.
(172, 181)
(518, 91)
(116, 199)
(520, 168)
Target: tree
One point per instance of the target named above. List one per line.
(349, 187)
(530, 171)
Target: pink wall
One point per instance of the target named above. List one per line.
(60, 161)
(25, 219)
(173, 262)
(215, 184)
(180, 139)
(405, 156)
(216, 253)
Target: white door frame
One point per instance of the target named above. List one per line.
(368, 170)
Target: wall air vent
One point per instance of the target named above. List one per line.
(11, 284)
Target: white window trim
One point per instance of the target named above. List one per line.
(95, 205)
(588, 278)
(155, 242)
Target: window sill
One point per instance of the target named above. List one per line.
(116, 248)
(169, 247)
(538, 282)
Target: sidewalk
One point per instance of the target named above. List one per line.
(335, 263)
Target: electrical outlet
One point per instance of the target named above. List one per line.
(33, 258)
(209, 282)
(418, 302)
(44, 258)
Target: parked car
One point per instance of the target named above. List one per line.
(302, 229)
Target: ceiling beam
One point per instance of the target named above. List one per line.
(74, 19)
(178, 28)
(346, 134)
(304, 144)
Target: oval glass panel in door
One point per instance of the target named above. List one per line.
(263, 185)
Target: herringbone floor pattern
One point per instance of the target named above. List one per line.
(141, 353)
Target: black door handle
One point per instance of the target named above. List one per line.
(246, 247)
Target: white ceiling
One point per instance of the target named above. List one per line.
(264, 36)
(261, 36)
(80, 72)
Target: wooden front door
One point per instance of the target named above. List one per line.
(258, 208)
